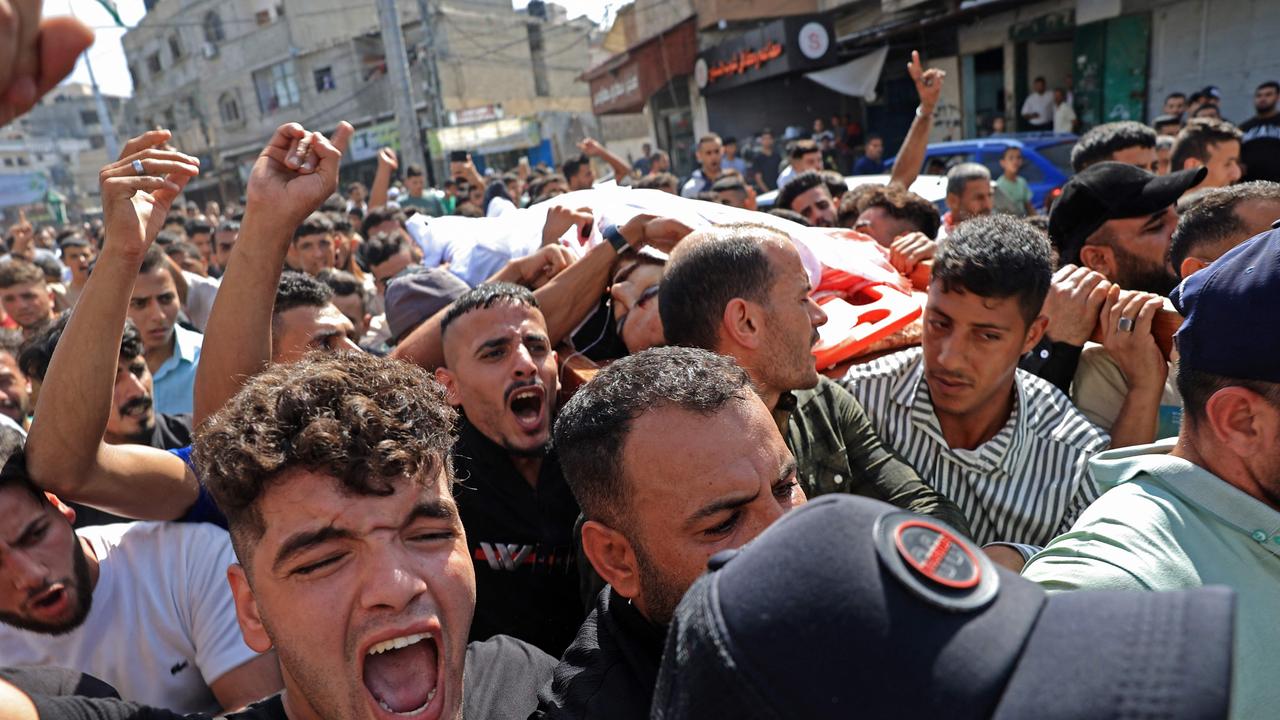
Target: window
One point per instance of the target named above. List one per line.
(96, 141)
(175, 46)
(277, 87)
(133, 75)
(153, 64)
(89, 117)
(324, 79)
(229, 109)
(22, 162)
(213, 28)
(170, 121)
(8, 162)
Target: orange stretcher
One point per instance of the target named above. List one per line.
(859, 320)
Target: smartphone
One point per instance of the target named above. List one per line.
(458, 156)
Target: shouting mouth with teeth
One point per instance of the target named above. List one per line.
(528, 406)
(402, 674)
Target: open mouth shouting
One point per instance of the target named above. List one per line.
(527, 404)
(50, 603)
(403, 676)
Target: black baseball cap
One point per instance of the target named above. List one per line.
(1221, 305)
(852, 608)
(1108, 191)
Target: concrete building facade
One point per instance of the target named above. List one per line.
(223, 74)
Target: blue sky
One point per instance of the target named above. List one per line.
(107, 55)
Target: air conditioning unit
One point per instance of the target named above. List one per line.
(210, 50)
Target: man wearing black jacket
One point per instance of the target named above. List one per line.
(518, 512)
(673, 457)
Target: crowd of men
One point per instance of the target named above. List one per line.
(345, 456)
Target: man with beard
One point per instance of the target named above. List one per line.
(1260, 144)
(133, 418)
(1117, 219)
(519, 515)
(1202, 509)
(15, 387)
(1007, 447)
(674, 457)
(1126, 381)
(807, 194)
(742, 291)
(969, 195)
(143, 606)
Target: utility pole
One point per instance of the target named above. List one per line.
(401, 89)
(435, 96)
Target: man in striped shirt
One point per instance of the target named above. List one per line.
(1006, 446)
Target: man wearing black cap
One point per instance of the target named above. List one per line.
(847, 608)
(1117, 219)
(673, 457)
(1204, 509)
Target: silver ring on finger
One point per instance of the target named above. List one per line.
(1125, 325)
(138, 169)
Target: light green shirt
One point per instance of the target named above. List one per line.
(1012, 196)
(1167, 524)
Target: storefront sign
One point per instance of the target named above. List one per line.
(744, 61)
(779, 47)
(487, 137)
(483, 113)
(618, 89)
(626, 81)
(367, 141)
(22, 189)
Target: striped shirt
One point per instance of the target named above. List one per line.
(1025, 485)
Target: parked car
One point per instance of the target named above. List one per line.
(1046, 159)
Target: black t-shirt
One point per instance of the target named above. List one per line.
(521, 543)
(767, 166)
(1260, 148)
(502, 679)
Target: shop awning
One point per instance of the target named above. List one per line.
(626, 81)
(856, 78)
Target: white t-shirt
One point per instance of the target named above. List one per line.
(1064, 118)
(162, 626)
(201, 292)
(1041, 106)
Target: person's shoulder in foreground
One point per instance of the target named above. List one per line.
(907, 599)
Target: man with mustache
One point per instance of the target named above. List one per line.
(741, 290)
(144, 606)
(15, 387)
(500, 371)
(1008, 447)
(133, 418)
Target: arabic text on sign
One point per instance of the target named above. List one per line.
(745, 60)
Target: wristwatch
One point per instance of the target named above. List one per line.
(613, 235)
(921, 113)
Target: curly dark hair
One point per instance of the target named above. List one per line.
(897, 203)
(371, 423)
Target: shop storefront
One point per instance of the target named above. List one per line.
(653, 76)
(754, 78)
